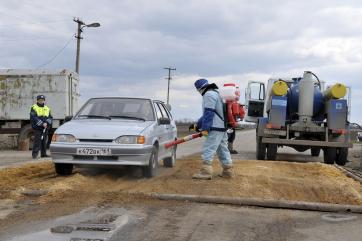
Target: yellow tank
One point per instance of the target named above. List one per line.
(336, 91)
(280, 88)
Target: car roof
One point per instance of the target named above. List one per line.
(136, 98)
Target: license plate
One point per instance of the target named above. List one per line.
(94, 151)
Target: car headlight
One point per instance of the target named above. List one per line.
(63, 138)
(130, 140)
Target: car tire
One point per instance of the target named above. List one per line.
(341, 158)
(315, 151)
(329, 155)
(170, 161)
(63, 169)
(260, 149)
(151, 170)
(271, 152)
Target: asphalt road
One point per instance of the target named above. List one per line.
(244, 144)
(197, 222)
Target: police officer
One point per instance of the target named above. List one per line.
(41, 120)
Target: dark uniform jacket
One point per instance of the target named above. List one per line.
(39, 115)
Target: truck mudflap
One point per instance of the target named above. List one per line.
(262, 121)
(289, 142)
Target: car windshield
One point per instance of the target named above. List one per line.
(117, 108)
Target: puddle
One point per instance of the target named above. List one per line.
(92, 224)
(336, 218)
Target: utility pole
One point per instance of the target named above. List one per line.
(168, 85)
(78, 36)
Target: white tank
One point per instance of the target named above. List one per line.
(230, 92)
(306, 97)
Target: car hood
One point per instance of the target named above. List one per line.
(102, 129)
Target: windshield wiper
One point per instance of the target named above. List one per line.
(95, 116)
(127, 117)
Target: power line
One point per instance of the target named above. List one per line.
(56, 55)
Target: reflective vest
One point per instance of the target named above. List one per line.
(41, 111)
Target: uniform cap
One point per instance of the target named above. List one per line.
(40, 97)
(201, 83)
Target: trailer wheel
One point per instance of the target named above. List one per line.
(26, 132)
(315, 151)
(342, 154)
(329, 155)
(260, 149)
(271, 152)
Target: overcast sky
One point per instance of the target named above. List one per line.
(223, 41)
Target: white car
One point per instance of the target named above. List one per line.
(116, 131)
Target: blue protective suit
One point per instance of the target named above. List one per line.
(212, 120)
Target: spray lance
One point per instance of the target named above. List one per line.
(187, 138)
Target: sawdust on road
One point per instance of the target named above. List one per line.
(314, 182)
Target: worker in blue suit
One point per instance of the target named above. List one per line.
(212, 125)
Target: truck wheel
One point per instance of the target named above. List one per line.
(63, 169)
(315, 151)
(342, 154)
(329, 155)
(26, 132)
(271, 152)
(260, 149)
(151, 169)
(170, 161)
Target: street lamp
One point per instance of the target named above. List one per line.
(81, 25)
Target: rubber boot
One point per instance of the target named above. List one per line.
(205, 173)
(231, 148)
(227, 172)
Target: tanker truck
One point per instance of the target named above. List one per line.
(300, 113)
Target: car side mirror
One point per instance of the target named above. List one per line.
(68, 118)
(164, 121)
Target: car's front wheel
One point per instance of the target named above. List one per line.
(170, 161)
(63, 169)
(151, 169)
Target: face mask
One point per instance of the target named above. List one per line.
(201, 91)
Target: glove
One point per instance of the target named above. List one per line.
(204, 133)
(193, 127)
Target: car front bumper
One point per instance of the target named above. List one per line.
(136, 155)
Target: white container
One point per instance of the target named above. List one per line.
(230, 92)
